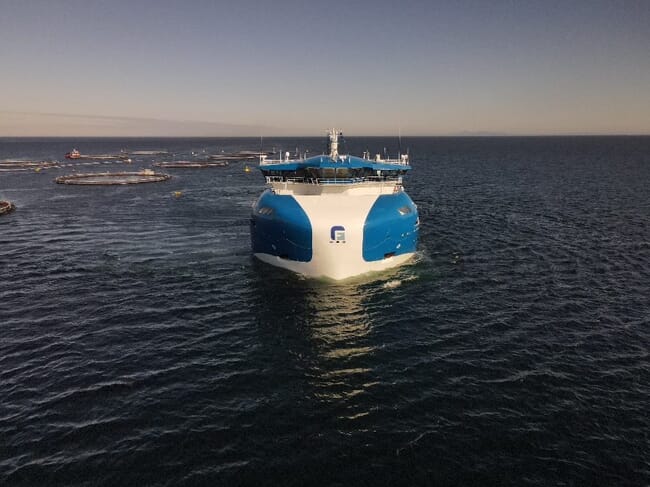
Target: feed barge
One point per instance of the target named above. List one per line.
(334, 216)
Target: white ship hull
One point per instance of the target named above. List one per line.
(341, 242)
(329, 267)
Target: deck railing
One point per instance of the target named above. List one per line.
(329, 181)
(402, 161)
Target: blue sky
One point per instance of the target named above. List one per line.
(210, 68)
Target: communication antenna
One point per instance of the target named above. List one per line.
(399, 143)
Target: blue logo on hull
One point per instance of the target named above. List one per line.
(337, 234)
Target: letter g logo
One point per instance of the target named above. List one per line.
(337, 233)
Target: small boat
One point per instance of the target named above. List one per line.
(6, 207)
(334, 216)
(73, 154)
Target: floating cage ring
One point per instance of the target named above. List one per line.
(11, 165)
(190, 165)
(108, 178)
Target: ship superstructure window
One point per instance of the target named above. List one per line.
(404, 210)
(328, 172)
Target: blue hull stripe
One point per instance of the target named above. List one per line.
(389, 231)
(279, 226)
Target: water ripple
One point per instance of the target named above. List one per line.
(143, 346)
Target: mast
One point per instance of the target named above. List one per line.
(333, 144)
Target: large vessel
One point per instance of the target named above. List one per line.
(333, 215)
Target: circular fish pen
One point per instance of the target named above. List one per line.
(113, 178)
(6, 207)
(191, 164)
(11, 165)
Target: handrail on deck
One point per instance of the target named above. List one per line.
(397, 162)
(329, 181)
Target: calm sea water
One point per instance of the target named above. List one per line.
(142, 345)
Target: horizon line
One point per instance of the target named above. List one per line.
(257, 136)
(130, 126)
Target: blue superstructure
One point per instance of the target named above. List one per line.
(334, 215)
(343, 162)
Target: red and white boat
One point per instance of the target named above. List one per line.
(73, 154)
